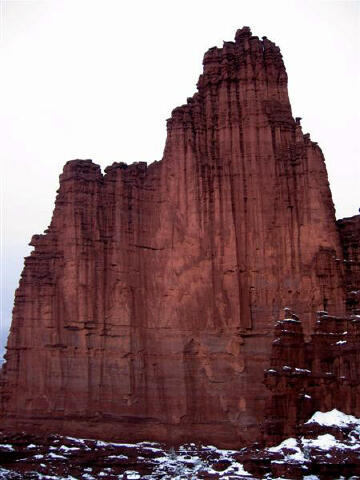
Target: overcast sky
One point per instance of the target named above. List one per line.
(97, 79)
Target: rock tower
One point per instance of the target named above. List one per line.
(146, 309)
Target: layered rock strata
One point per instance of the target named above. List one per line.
(146, 309)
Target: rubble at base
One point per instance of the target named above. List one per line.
(56, 457)
(327, 447)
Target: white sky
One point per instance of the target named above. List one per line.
(97, 79)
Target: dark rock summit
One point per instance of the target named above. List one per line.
(146, 310)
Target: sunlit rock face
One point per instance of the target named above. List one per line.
(146, 310)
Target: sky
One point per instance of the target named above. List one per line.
(98, 79)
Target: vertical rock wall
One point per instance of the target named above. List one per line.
(317, 375)
(349, 229)
(146, 309)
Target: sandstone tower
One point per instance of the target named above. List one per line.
(146, 310)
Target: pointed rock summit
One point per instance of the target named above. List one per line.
(146, 310)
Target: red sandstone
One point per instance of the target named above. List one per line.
(315, 375)
(146, 310)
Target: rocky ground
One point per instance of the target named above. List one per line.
(327, 447)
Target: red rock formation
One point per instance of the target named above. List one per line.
(306, 377)
(146, 309)
(349, 229)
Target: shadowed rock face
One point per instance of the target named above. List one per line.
(349, 229)
(307, 376)
(146, 310)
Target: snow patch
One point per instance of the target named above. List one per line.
(294, 455)
(302, 370)
(288, 443)
(8, 447)
(324, 442)
(55, 455)
(119, 457)
(132, 475)
(64, 448)
(334, 418)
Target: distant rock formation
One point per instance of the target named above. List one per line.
(146, 310)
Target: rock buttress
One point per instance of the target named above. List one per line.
(146, 309)
(349, 229)
(315, 375)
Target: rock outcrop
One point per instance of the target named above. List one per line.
(308, 376)
(327, 447)
(349, 229)
(146, 309)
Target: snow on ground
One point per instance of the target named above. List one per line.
(322, 448)
(334, 418)
(6, 447)
(288, 443)
(290, 449)
(68, 458)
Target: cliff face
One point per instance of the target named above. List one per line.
(146, 309)
(306, 377)
(349, 229)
